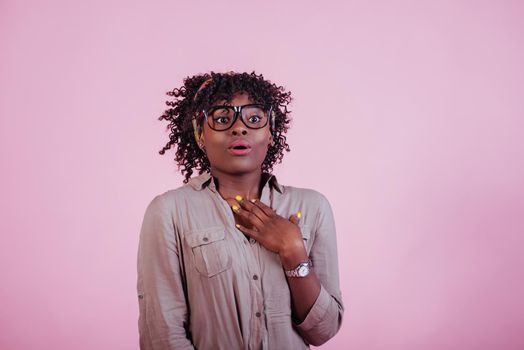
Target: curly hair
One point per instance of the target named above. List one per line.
(200, 92)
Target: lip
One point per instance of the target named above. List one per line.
(239, 152)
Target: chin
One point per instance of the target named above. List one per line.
(240, 169)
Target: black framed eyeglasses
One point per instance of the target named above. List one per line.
(254, 116)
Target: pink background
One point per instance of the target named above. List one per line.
(408, 116)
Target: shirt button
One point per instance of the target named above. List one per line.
(258, 314)
(205, 239)
(255, 277)
(252, 241)
(140, 296)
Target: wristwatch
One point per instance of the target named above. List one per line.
(302, 270)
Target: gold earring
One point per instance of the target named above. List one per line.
(201, 144)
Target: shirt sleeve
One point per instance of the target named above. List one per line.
(325, 317)
(163, 319)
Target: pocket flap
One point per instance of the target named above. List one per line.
(205, 236)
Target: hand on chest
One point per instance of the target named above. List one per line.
(239, 219)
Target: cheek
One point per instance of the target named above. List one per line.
(262, 143)
(212, 137)
(263, 137)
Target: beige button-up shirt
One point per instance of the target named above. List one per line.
(202, 284)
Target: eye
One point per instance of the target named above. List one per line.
(254, 119)
(254, 115)
(225, 120)
(221, 115)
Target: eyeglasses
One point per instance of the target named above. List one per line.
(254, 116)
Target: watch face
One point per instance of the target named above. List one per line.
(303, 270)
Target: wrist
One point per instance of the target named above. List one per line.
(293, 255)
(302, 270)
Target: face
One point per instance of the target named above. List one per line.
(218, 144)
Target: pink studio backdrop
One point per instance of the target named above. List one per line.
(408, 116)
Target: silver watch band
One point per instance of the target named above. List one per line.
(302, 270)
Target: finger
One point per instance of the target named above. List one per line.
(249, 206)
(249, 232)
(295, 218)
(267, 210)
(249, 216)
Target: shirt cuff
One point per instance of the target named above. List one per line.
(317, 312)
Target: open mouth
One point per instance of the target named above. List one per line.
(239, 150)
(239, 147)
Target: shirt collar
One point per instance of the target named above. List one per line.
(202, 181)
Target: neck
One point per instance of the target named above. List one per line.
(246, 185)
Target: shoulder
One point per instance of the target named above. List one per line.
(313, 204)
(169, 199)
(166, 212)
(306, 194)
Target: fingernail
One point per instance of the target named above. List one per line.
(238, 197)
(234, 207)
(237, 225)
(299, 214)
(253, 200)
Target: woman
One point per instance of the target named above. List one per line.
(233, 259)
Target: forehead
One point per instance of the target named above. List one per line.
(237, 99)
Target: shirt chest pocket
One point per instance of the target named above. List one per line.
(210, 251)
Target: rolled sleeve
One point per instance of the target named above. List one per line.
(324, 319)
(163, 318)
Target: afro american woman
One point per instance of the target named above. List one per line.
(233, 259)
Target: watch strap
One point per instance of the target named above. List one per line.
(295, 272)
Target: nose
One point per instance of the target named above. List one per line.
(239, 128)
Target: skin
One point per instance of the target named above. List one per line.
(240, 177)
(236, 174)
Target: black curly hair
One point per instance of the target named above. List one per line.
(194, 96)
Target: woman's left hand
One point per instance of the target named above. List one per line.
(272, 231)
